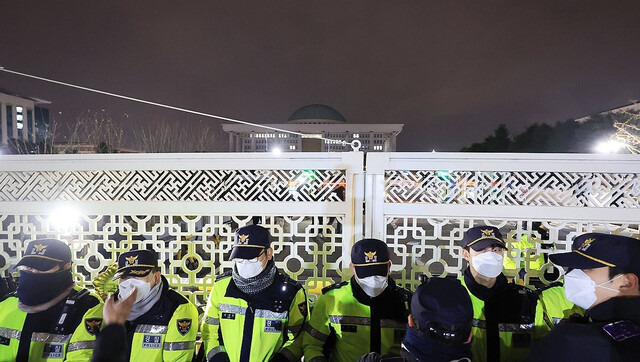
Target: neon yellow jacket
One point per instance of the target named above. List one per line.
(557, 308)
(166, 332)
(254, 328)
(515, 336)
(526, 250)
(345, 328)
(75, 344)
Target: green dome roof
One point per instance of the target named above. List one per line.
(317, 111)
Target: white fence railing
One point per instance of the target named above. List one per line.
(421, 203)
(186, 207)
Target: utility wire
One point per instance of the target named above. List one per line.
(355, 144)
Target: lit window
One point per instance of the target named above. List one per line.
(19, 109)
(292, 147)
(356, 135)
(19, 125)
(19, 117)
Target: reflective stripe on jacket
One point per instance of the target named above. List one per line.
(254, 328)
(514, 337)
(342, 328)
(45, 343)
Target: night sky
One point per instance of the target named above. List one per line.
(451, 71)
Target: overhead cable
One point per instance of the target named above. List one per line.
(342, 142)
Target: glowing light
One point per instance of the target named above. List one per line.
(609, 146)
(64, 219)
(276, 151)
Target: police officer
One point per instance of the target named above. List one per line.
(255, 312)
(506, 317)
(48, 318)
(439, 324)
(162, 324)
(603, 279)
(366, 314)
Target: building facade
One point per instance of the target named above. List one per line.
(310, 123)
(22, 119)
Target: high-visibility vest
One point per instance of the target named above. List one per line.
(524, 248)
(557, 308)
(515, 337)
(254, 328)
(344, 326)
(172, 342)
(76, 344)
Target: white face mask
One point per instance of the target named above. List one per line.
(581, 290)
(373, 285)
(249, 268)
(126, 288)
(488, 264)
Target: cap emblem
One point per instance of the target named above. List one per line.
(370, 257)
(132, 260)
(243, 239)
(487, 233)
(39, 249)
(586, 244)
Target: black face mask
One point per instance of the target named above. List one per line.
(39, 288)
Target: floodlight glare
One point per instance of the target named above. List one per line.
(609, 146)
(63, 219)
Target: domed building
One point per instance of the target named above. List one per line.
(316, 128)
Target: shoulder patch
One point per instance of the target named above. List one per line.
(93, 325)
(184, 326)
(226, 274)
(334, 286)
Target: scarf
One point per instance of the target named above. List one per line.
(480, 291)
(145, 304)
(44, 306)
(258, 283)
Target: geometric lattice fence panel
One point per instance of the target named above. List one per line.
(521, 188)
(432, 246)
(173, 185)
(192, 249)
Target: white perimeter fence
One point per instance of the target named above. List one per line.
(316, 205)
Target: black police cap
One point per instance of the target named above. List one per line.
(442, 306)
(136, 263)
(251, 240)
(44, 254)
(596, 250)
(481, 237)
(370, 257)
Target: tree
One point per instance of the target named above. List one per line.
(96, 131)
(164, 136)
(628, 130)
(534, 139)
(498, 142)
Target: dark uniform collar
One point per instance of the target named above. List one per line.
(618, 308)
(480, 291)
(365, 299)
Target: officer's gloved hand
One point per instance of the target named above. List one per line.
(370, 357)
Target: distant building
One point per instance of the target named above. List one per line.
(22, 118)
(311, 122)
(632, 107)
